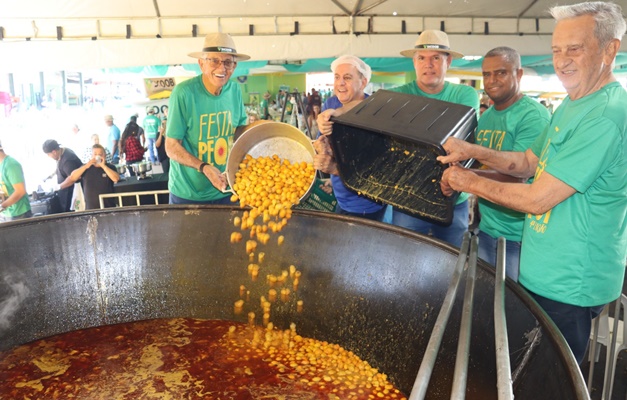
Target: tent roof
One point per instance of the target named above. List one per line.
(83, 34)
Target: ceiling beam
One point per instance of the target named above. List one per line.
(356, 9)
(377, 4)
(341, 7)
(527, 8)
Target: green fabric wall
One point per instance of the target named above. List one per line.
(254, 84)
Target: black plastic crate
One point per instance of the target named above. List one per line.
(386, 149)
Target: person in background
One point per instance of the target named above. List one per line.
(574, 242)
(512, 124)
(67, 161)
(482, 108)
(206, 111)
(151, 128)
(140, 131)
(252, 117)
(263, 106)
(130, 145)
(113, 138)
(14, 202)
(88, 154)
(315, 100)
(162, 155)
(351, 75)
(97, 177)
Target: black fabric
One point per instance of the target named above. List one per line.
(66, 164)
(161, 154)
(96, 182)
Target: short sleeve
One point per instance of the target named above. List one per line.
(586, 154)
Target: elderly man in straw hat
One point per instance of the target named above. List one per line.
(432, 57)
(204, 113)
(574, 240)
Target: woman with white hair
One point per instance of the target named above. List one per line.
(351, 75)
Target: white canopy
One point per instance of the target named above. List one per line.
(41, 35)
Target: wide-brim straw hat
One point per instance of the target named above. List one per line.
(432, 40)
(219, 43)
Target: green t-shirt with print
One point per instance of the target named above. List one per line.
(151, 126)
(10, 174)
(453, 93)
(512, 129)
(205, 125)
(575, 253)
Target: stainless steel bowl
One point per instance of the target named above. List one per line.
(121, 168)
(142, 167)
(267, 139)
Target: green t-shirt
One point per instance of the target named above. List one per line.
(10, 174)
(453, 93)
(575, 253)
(151, 126)
(263, 109)
(512, 129)
(205, 124)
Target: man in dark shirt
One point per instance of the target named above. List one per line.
(98, 178)
(67, 162)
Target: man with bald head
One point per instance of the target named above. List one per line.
(512, 124)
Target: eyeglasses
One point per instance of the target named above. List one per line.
(215, 63)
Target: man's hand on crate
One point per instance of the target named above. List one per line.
(324, 160)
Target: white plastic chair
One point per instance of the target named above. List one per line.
(611, 333)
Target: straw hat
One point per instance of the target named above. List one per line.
(267, 95)
(219, 43)
(432, 40)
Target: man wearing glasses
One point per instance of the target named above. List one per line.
(204, 113)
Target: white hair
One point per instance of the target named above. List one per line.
(362, 67)
(608, 18)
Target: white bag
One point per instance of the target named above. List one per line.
(78, 198)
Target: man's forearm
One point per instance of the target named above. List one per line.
(113, 175)
(67, 182)
(177, 152)
(13, 198)
(536, 198)
(77, 173)
(511, 163)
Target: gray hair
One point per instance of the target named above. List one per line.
(510, 55)
(608, 18)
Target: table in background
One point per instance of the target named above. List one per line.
(132, 184)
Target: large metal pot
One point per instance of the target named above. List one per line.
(373, 288)
(142, 167)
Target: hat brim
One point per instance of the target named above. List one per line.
(410, 53)
(238, 56)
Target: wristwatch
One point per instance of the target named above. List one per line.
(201, 167)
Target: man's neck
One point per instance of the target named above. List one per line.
(508, 102)
(605, 78)
(431, 89)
